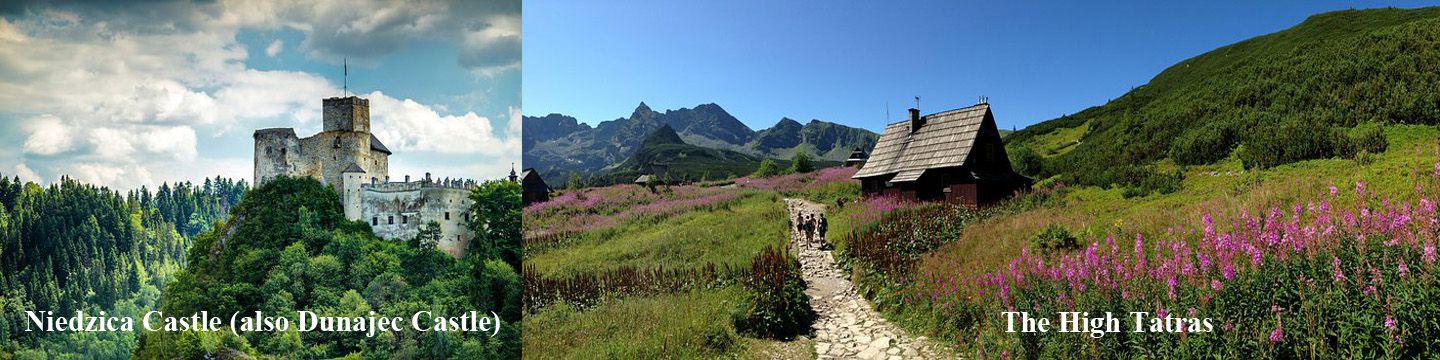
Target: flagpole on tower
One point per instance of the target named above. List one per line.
(346, 77)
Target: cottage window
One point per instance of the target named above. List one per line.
(391, 220)
(447, 215)
(405, 219)
(375, 221)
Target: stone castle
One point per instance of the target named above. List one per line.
(347, 157)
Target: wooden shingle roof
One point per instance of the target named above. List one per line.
(530, 181)
(944, 140)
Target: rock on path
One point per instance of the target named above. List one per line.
(847, 327)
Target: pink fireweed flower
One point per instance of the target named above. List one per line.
(1334, 191)
(1389, 322)
(1278, 334)
(1360, 188)
(1339, 275)
(1215, 285)
(1160, 313)
(1429, 255)
(1404, 269)
(1437, 169)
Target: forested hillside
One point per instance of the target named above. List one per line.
(288, 247)
(71, 246)
(1317, 90)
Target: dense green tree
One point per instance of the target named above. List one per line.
(767, 168)
(801, 163)
(496, 220)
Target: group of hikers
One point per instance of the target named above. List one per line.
(812, 227)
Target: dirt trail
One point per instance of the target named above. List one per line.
(846, 327)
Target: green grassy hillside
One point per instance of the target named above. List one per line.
(1270, 100)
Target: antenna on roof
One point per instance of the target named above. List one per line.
(917, 102)
(984, 99)
(887, 112)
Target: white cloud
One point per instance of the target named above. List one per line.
(275, 48)
(178, 142)
(26, 174)
(112, 144)
(513, 127)
(408, 125)
(253, 94)
(47, 136)
(126, 95)
(110, 175)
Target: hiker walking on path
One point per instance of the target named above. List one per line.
(846, 325)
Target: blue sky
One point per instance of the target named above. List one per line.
(844, 61)
(129, 95)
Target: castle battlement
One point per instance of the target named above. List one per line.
(275, 131)
(349, 100)
(418, 185)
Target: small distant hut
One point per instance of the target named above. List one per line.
(644, 179)
(659, 174)
(533, 188)
(856, 158)
(954, 156)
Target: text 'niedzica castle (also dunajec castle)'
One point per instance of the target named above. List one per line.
(347, 157)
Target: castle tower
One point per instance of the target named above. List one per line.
(347, 114)
(345, 141)
(350, 181)
(276, 154)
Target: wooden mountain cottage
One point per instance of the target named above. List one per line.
(533, 188)
(955, 156)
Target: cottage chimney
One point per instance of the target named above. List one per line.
(407, 178)
(915, 120)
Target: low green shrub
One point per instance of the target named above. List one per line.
(1055, 237)
(776, 306)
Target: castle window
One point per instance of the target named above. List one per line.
(282, 151)
(375, 221)
(404, 219)
(391, 220)
(447, 215)
(267, 150)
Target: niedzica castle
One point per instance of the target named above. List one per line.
(347, 157)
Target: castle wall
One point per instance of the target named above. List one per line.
(277, 152)
(328, 153)
(398, 210)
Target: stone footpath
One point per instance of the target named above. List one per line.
(847, 327)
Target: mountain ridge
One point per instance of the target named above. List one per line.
(558, 143)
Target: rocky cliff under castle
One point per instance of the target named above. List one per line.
(346, 156)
